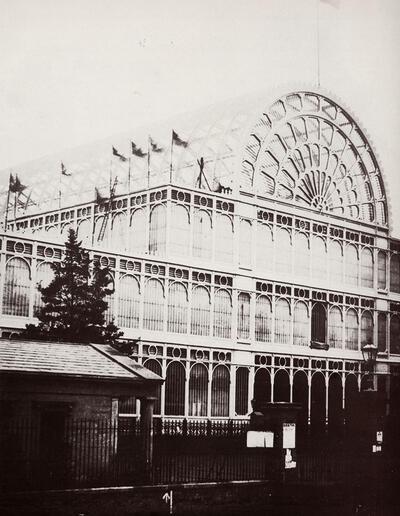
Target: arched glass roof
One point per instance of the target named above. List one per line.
(301, 148)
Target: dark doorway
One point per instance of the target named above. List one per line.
(281, 386)
(300, 395)
(352, 406)
(318, 406)
(335, 410)
(53, 446)
(262, 386)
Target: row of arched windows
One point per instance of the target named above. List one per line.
(140, 237)
(198, 385)
(311, 256)
(203, 390)
(210, 312)
(276, 249)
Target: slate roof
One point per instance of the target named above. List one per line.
(70, 359)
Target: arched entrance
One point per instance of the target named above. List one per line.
(262, 386)
(281, 386)
(300, 395)
(351, 406)
(318, 406)
(335, 410)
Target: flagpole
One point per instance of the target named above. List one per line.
(129, 175)
(59, 191)
(15, 206)
(318, 50)
(148, 162)
(110, 175)
(170, 164)
(8, 203)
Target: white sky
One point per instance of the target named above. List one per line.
(75, 71)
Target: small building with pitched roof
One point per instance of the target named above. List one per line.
(59, 410)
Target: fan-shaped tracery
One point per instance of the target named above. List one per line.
(305, 149)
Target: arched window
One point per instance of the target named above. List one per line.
(264, 247)
(153, 309)
(201, 308)
(351, 265)
(177, 308)
(336, 263)
(198, 387)
(157, 230)
(302, 254)
(129, 301)
(395, 273)
(202, 235)
(44, 276)
(351, 329)
(180, 230)
(367, 268)
(283, 251)
(382, 344)
(84, 232)
(16, 288)
(175, 389)
(262, 386)
(395, 334)
(243, 321)
(222, 314)
(65, 231)
(301, 325)
(220, 392)
(118, 231)
(318, 323)
(335, 327)
(367, 329)
(109, 299)
(242, 391)
(282, 322)
(224, 239)
(382, 279)
(281, 391)
(245, 250)
(155, 367)
(318, 258)
(263, 326)
(137, 236)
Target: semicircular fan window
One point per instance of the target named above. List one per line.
(312, 153)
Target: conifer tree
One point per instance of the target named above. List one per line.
(74, 302)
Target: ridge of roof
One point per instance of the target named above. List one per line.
(133, 367)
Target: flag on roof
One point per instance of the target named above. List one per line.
(178, 141)
(64, 170)
(100, 199)
(118, 155)
(15, 185)
(137, 151)
(154, 146)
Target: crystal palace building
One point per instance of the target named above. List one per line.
(259, 271)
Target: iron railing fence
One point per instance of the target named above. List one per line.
(100, 453)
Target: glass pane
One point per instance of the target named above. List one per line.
(177, 308)
(201, 308)
(198, 382)
(153, 315)
(180, 231)
(243, 322)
